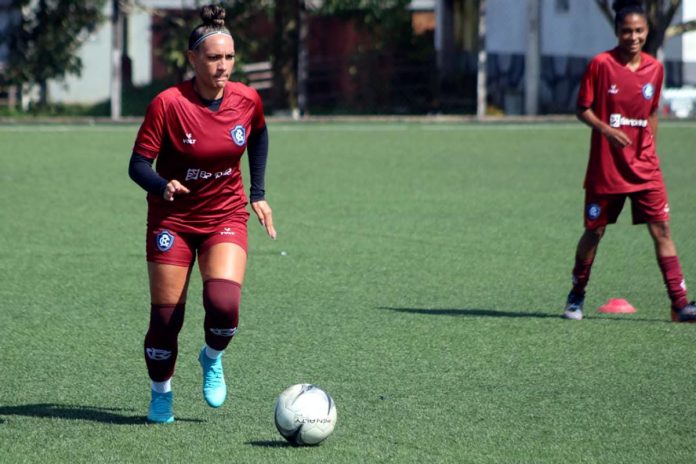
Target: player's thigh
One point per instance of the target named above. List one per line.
(223, 260)
(650, 206)
(223, 253)
(168, 283)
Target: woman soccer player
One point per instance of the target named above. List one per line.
(198, 131)
(618, 99)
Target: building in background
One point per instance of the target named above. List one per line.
(570, 32)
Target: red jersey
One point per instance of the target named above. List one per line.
(201, 149)
(624, 99)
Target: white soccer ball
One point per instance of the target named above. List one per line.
(305, 414)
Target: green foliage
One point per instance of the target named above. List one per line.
(45, 37)
(175, 27)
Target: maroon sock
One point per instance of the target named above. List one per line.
(161, 345)
(674, 280)
(221, 299)
(581, 275)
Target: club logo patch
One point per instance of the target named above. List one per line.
(593, 211)
(239, 135)
(164, 240)
(648, 91)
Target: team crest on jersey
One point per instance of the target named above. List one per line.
(238, 135)
(593, 211)
(648, 91)
(164, 240)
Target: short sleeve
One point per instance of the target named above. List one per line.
(258, 120)
(149, 139)
(587, 85)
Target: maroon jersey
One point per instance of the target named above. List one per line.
(624, 99)
(201, 149)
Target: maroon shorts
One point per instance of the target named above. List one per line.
(647, 206)
(166, 246)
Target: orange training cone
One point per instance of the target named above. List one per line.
(617, 306)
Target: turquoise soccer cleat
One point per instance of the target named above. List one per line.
(161, 408)
(214, 388)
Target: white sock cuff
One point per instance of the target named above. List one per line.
(162, 387)
(211, 353)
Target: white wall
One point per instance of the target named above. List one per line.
(139, 40)
(582, 31)
(689, 39)
(94, 83)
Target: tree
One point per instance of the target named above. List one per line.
(44, 40)
(660, 14)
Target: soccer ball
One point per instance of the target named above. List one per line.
(305, 414)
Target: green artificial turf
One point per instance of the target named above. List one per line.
(419, 275)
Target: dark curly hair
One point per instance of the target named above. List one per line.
(213, 17)
(623, 8)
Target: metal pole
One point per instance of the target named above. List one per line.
(482, 74)
(116, 47)
(532, 69)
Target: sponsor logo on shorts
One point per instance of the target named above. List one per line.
(195, 174)
(226, 231)
(593, 211)
(648, 91)
(224, 332)
(157, 354)
(617, 120)
(238, 135)
(164, 240)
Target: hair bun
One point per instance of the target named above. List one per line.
(619, 5)
(213, 15)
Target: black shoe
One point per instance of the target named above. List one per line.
(573, 307)
(686, 314)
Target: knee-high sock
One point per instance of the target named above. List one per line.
(674, 280)
(581, 275)
(161, 345)
(221, 299)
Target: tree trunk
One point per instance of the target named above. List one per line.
(285, 54)
(302, 63)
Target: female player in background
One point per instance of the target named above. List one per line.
(198, 131)
(619, 98)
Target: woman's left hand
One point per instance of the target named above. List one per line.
(265, 214)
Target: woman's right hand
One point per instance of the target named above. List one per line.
(616, 137)
(174, 187)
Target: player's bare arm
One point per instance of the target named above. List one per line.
(653, 123)
(615, 136)
(263, 211)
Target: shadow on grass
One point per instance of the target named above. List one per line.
(467, 312)
(87, 413)
(269, 443)
(470, 312)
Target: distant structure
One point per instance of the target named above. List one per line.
(569, 33)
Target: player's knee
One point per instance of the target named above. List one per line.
(221, 299)
(596, 234)
(166, 321)
(661, 231)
